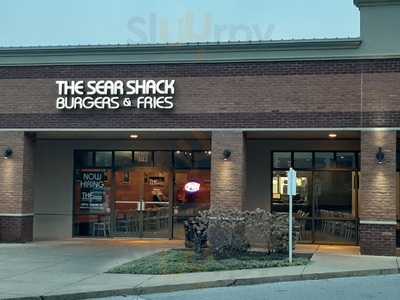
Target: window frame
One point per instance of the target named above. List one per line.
(314, 218)
(313, 168)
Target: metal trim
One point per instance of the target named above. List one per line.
(377, 222)
(17, 215)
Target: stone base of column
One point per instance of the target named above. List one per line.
(16, 229)
(378, 239)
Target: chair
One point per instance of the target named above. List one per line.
(164, 216)
(151, 220)
(300, 217)
(103, 227)
(122, 224)
(134, 221)
(156, 220)
(325, 225)
(350, 232)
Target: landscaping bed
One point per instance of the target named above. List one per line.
(186, 261)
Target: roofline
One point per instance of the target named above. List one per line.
(271, 44)
(164, 53)
(362, 3)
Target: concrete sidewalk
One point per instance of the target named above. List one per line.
(75, 269)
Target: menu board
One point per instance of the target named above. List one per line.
(92, 189)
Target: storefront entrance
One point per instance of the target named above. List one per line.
(143, 202)
(145, 194)
(327, 194)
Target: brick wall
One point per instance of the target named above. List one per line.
(378, 239)
(16, 197)
(378, 182)
(377, 203)
(16, 229)
(228, 184)
(303, 94)
(205, 69)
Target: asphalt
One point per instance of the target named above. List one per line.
(75, 269)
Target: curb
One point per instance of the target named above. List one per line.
(138, 291)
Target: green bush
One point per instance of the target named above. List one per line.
(226, 233)
(231, 232)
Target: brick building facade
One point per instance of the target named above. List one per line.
(253, 99)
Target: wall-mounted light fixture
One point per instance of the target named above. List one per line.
(7, 153)
(332, 135)
(380, 156)
(226, 154)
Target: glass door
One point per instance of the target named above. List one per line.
(142, 205)
(157, 203)
(335, 201)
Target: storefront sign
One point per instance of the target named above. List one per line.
(192, 187)
(92, 189)
(109, 94)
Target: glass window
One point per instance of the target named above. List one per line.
(84, 159)
(163, 159)
(103, 159)
(282, 160)
(301, 201)
(92, 202)
(123, 158)
(183, 159)
(345, 160)
(326, 198)
(302, 160)
(143, 158)
(202, 160)
(324, 160)
(192, 190)
(333, 194)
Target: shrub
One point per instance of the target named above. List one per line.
(280, 233)
(258, 228)
(226, 233)
(231, 232)
(196, 234)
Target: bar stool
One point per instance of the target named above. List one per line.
(103, 227)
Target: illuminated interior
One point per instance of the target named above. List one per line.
(139, 193)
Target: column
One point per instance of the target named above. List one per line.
(16, 187)
(377, 194)
(228, 165)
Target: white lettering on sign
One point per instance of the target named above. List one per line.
(114, 94)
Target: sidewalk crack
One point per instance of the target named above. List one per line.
(141, 283)
(304, 269)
